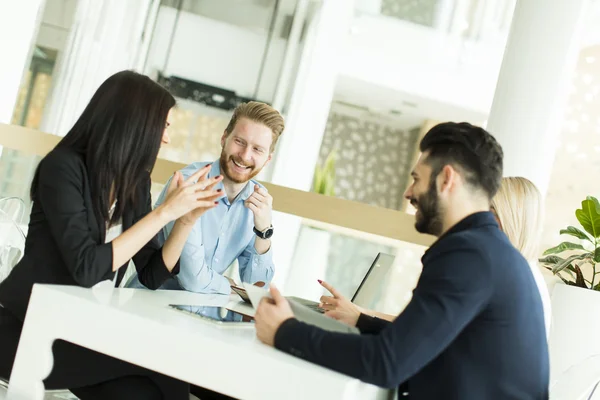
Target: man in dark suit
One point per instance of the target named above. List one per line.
(474, 328)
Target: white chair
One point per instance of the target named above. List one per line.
(12, 246)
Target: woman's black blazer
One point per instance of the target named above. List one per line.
(65, 241)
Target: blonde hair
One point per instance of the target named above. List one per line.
(261, 113)
(519, 208)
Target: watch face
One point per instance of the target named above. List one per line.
(268, 233)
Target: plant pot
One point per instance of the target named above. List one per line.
(574, 345)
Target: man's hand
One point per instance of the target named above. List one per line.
(270, 314)
(339, 307)
(261, 204)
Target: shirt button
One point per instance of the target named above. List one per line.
(216, 260)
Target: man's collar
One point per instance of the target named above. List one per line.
(215, 169)
(247, 190)
(475, 220)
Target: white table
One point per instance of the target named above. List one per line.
(125, 323)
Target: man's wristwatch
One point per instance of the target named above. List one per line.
(266, 234)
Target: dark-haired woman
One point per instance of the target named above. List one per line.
(92, 214)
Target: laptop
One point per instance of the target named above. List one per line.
(301, 313)
(370, 287)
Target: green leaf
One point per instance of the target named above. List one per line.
(317, 180)
(324, 176)
(597, 287)
(563, 247)
(330, 163)
(559, 267)
(595, 201)
(597, 255)
(578, 233)
(328, 186)
(551, 260)
(589, 216)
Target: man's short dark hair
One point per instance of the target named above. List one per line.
(470, 149)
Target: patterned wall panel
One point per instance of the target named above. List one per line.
(373, 157)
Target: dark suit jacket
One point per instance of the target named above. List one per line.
(474, 328)
(65, 241)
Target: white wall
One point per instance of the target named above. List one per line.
(18, 26)
(215, 53)
(423, 62)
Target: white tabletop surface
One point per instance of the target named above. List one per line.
(138, 326)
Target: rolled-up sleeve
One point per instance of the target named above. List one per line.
(256, 267)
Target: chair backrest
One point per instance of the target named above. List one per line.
(14, 207)
(12, 244)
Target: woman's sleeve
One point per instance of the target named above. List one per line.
(149, 262)
(60, 193)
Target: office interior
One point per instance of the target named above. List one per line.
(359, 81)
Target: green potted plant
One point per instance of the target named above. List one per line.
(324, 177)
(569, 260)
(574, 362)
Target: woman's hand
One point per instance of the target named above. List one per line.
(188, 199)
(339, 307)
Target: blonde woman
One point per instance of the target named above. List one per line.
(518, 208)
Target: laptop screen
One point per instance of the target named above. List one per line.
(373, 284)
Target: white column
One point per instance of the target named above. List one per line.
(106, 37)
(306, 117)
(531, 93)
(18, 29)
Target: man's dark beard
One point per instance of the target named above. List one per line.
(429, 219)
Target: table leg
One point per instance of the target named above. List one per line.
(34, 359)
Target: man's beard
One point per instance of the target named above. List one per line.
(429, 216)
(235, 176)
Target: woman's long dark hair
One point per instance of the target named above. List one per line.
(119, 135)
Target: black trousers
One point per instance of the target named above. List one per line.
(88, 374)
